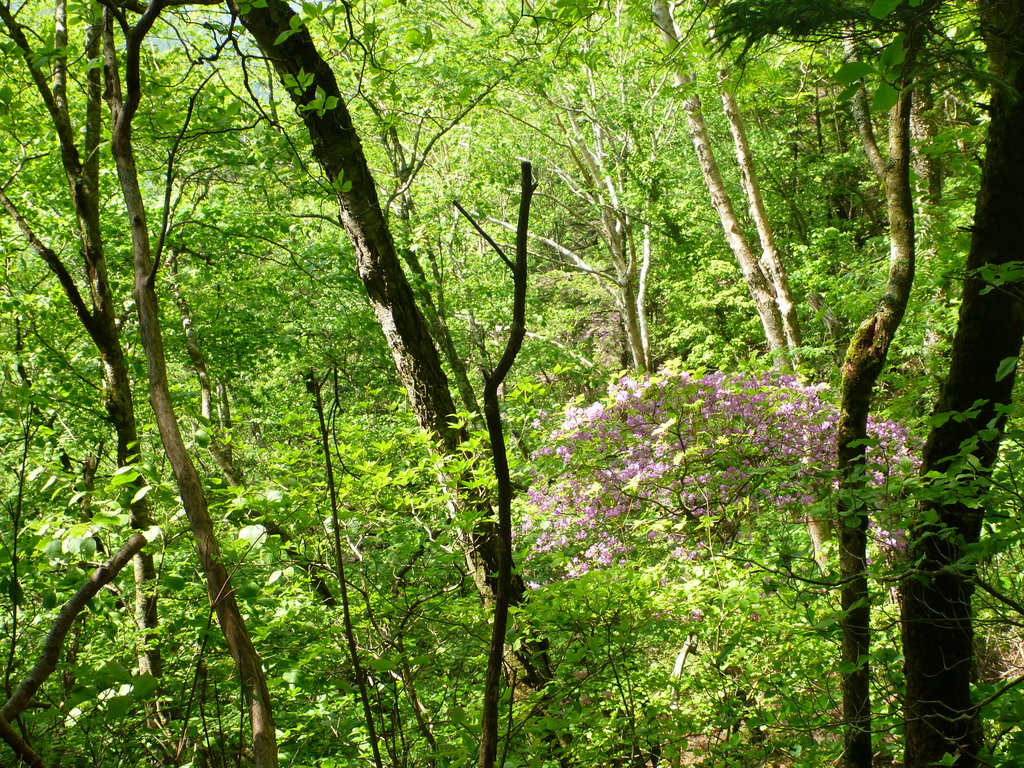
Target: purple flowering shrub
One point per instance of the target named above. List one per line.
(674, 463)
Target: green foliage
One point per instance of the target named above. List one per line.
(444, 98)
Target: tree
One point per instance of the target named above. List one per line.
(942, 721)
(766, 276)
(96, 313)
(338, 149)
(123, 107)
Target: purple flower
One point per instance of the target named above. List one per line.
(631, 476)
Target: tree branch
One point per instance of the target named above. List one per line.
(54, 641)
(499, 457)
(21, 748)
(485, 236)
(52, 260)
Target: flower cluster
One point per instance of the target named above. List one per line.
(663, 453)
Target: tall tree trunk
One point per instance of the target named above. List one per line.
(865, 360)
(225, 462)
(758, 280)
(434, 313)
(927, 165)
(337, 147)
(496, 433)
(96, 314)
(123, 107)
(938, 633)
(590, 147)
(771, 261)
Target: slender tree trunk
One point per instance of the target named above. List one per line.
(225, 462)
(865, 360)
(96, 314)
(770, 260)
(616, 229)
(221, 453)
(437, 321)
(338, 149)
(635, 322)
(938, 632)
(495, 431)
(314, 387)
(758, 282)
(53, 643)
(221, 594)
(928, 169)
(433, 312)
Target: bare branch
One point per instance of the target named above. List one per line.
(484, 235)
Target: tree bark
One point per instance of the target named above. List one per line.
(123, 107)
(225, 462)
(404, 167)
(865, 360)
(771, 261)
(758, 281)
(96, 314)
(337, 148)
(496, 433)
(54, 641)
(938, 633)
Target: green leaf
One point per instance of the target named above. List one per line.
(284, 36)
(124, 475)
(885, 98)
(255, 534)
(112, 672)
(1006, 367)
(882, 8)
(118, 706)
(144, 686)
(853, 71)
(173, 583)
(849, 92)
(894, 54)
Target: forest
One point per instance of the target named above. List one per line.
(520, 383)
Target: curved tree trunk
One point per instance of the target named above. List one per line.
(865, 360)
(193, 498)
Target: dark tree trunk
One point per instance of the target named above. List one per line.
(95, 311)
(495, 431)
(339, 151)
(938, 637)
(865, 360)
